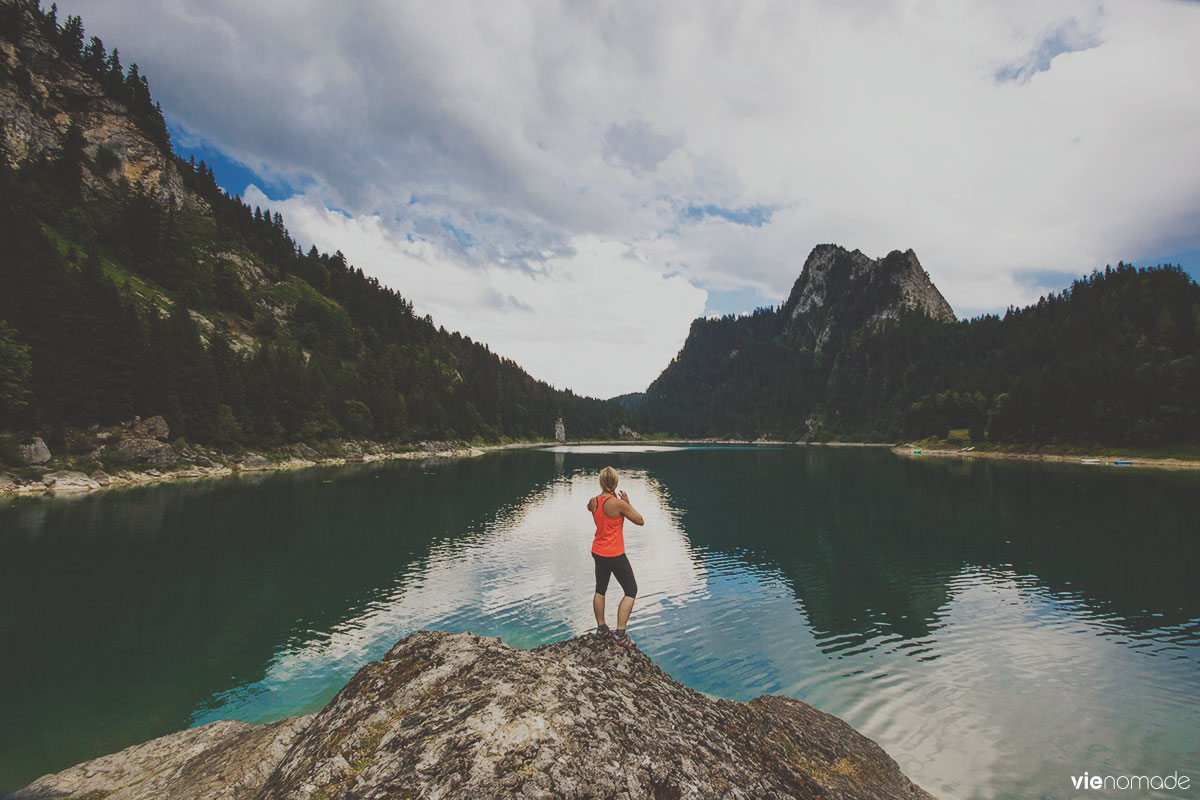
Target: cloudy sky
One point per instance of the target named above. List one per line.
(574, 182)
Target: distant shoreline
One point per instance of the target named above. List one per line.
(445, 450)
(1103, 460)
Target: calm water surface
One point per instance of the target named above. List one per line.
(997, 627)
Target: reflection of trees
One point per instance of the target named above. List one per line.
(124, 609)
(870, 542)
(835, 524)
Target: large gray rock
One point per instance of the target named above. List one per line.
(223, 759)
(101, 477)
(449, 716)
(253, 461)
(34, 452)
(69, 481)
(147, 453)
(560, 431)
(152, 428)
(306, 452)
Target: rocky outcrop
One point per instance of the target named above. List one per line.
(560, 431)
(445, 715)
(840, 292)
(226, 760)
(34, 452)
(47, 94)
(304, 451)
(253, 461)
(147, 452)
(69, 481)
(152, 428)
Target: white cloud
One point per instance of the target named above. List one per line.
(1000, 141)
(600, 318)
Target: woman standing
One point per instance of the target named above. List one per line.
(610, 511)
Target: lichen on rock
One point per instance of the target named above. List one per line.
(458, 715)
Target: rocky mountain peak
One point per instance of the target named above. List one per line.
(839, 292)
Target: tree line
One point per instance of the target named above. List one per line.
(219, 321)
(1112, 360)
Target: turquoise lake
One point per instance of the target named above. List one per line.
(998, 627)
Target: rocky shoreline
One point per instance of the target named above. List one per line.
(143, 456)
(138, 453)
(457, 715)
(909, 451)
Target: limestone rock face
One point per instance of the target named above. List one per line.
(147, 452)
(458, 715)
(38, 108)
(560, 431)
(839, 292)
(35, 452)
(69, 481)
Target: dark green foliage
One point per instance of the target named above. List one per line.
(126, 307)
(1114, 359)
(14, 373)
(355, 362)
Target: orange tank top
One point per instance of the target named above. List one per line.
(610, 531)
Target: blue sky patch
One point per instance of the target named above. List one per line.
(1066, 38)
(232, 175)
(464, 239)
(1188, 260)
(736, 301)
(753, 216)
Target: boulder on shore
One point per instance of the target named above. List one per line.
(147, 452)
(69, 481)
(307, 453)
(458, 715)
(34, 452)
(253, 461)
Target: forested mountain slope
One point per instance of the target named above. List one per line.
(1112, 360)
(130, 284)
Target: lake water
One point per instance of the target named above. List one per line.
(997, 627)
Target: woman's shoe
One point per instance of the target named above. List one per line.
(622, 638)
(604, 632)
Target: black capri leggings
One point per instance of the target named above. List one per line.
(615, 565)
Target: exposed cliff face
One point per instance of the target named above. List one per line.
(42, 94)
(783, 372)
(462, 716)
(840, 292)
